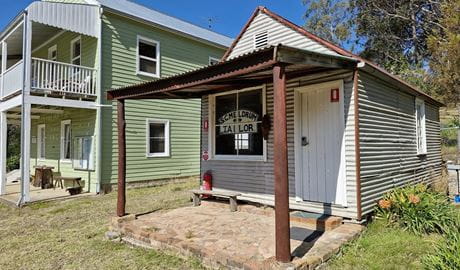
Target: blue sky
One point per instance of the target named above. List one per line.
(228, 16)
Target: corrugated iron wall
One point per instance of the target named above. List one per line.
(277, 34)
(388, 140)
(255, 178)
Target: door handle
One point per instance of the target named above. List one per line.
(305, 141)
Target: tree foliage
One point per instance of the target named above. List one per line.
(330, 20)
(13, 147)
(397, 31)
(444, 46)
(419, 40)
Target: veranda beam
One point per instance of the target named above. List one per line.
(282, 226)
(121, 123)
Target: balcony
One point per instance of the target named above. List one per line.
(12, 80)
(51, 78)
(56, 78)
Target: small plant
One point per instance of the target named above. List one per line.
(416, 209)
(189, 234)
(447, 251)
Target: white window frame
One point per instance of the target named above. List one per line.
(421, 150)
(63, 123)
(157, 60)
(50, 53)
(217, 60)
(77, 160)
(212, 127)
(167, 151)
(73, 57)
(40, 155)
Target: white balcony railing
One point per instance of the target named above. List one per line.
(61, 78)
(12, 79)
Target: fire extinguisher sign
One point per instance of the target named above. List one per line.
(205, 155)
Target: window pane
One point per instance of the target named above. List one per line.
(147, 49)
(76, 62)
(251, 101)
(76, 49)
(250, 105)
(148, 66)
(224, 105)
(157, 130)
(238, 124)
(225, 143)
(157, 145)
(67, 141)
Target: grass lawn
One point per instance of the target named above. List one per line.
(70, 234)
(380, 247)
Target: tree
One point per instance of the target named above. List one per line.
(444, 46)
(13, 147)
(331, 20)
(396, 32)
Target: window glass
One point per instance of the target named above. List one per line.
(238, 124)
(147, 50)
(41, 142)
(147, 66)
(420, 126)
(158, 138)
(83, 159)
(213, 61)
(147, 57)
(76, 52)
(66, 141)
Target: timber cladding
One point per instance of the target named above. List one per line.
(177, 55)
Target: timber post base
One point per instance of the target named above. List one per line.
(232, 196)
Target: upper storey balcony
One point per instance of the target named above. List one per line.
(50, 50)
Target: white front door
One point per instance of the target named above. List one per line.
(322, 125)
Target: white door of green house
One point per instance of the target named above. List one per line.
(320, 151)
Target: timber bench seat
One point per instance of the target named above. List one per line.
(232, 196)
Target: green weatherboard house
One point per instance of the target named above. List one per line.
(58, 60)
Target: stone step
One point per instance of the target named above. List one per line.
(319, 222)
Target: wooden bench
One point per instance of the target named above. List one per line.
(232, 196)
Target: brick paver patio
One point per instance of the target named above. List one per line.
(241, 240)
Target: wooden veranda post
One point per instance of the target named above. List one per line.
(121, 123)
(282, 226)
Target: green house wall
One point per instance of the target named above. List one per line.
(178, 54)
(82, 124)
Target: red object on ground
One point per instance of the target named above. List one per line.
(207, 183)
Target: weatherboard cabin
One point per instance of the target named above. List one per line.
(293, 121)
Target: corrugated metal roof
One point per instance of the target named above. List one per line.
(83, 19)
(153, 16)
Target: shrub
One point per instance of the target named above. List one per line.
(447, 252)
(417, 209)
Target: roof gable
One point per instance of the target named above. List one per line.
(279, 31)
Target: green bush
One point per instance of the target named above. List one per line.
(417, 209)
(447, 252)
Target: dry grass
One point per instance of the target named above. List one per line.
(70, 234)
